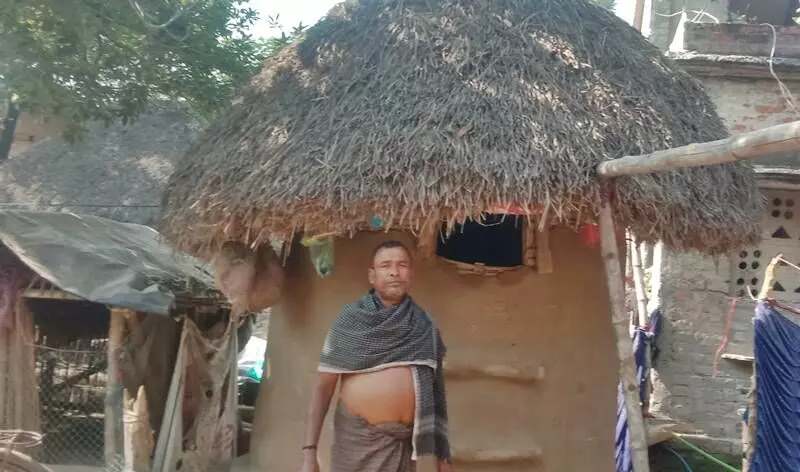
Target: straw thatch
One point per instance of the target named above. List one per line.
(117, 171)
(397, 108)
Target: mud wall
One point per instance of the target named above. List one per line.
(556, 324)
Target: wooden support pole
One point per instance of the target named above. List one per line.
(113, 406)
(619, 319)
(759, 143)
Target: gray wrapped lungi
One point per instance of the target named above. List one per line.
(362, 447)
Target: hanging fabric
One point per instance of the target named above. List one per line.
(644, 338)
(210, 440)
(777, 364)
(199, 427)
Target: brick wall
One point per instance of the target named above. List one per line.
(662, 28)
(695, 289)
(695, 304)
(748, 104)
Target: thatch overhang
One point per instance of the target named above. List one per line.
(404, 109)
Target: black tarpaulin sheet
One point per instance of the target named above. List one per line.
(104, 261)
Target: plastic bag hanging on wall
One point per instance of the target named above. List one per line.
(321, 251)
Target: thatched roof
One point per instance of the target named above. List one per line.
(117, 171)
(400, 107)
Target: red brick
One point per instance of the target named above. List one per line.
(770, 109)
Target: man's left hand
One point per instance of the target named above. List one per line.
(444, 466)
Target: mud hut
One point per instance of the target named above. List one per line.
(470, 130)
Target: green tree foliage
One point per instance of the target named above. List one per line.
(106, 59)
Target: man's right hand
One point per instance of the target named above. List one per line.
(310, 462)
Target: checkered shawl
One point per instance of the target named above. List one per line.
(368, 336)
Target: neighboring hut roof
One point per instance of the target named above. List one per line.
(397, 108)
(117, 171)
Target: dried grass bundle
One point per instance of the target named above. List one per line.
(399, 108)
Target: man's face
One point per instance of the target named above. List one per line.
(390, 274)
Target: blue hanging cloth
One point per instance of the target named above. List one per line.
(643, 339)
(777, 353)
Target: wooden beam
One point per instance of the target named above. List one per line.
(619, 319)
(752, 145)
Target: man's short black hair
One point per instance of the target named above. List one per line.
(390, 244)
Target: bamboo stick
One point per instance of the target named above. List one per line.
(759, 143)
(653, 304)
(643, 317)
(619, 320)
(628, 281)
(638, 282)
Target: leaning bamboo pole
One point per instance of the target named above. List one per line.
(745, 146)
(619, 319)
(643, 316)
(638, 282)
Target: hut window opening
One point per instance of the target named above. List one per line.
(496, 241)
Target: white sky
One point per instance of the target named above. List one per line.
(292, 12)
(309, 12)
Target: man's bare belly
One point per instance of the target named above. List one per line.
(384, 396)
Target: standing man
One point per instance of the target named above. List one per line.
(388, 354)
